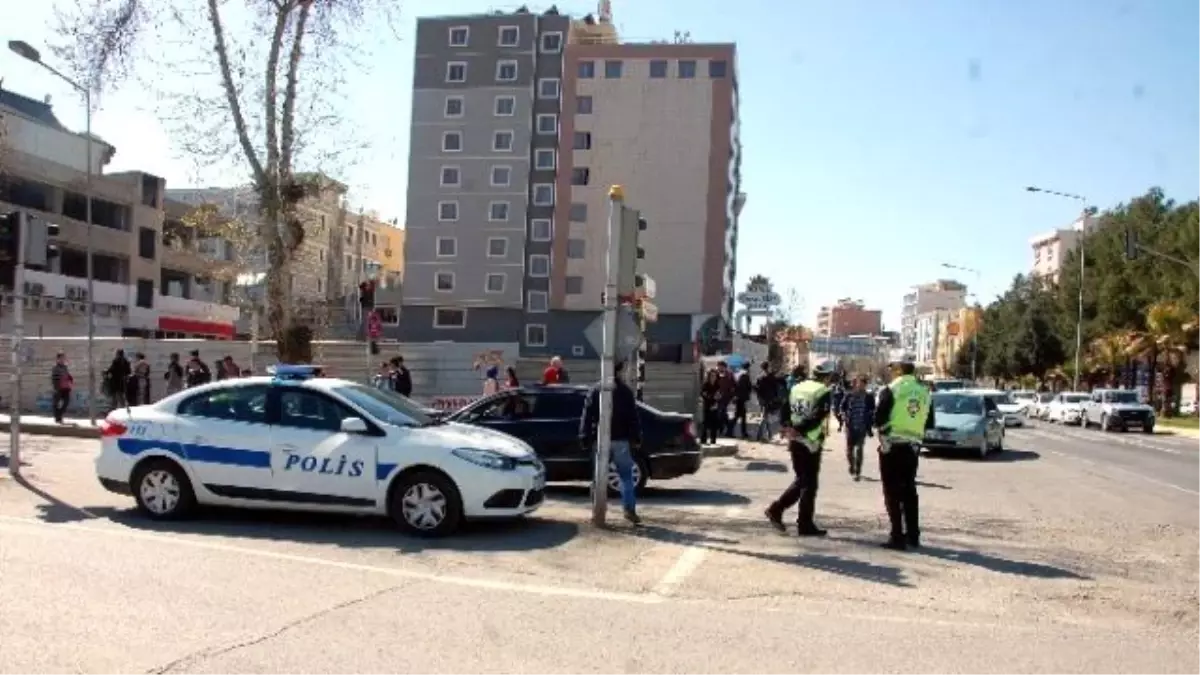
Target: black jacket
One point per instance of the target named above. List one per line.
(402, 381)
(626, 425)
(197, 373)
(767, 388)
(815, 418)
(883, 410)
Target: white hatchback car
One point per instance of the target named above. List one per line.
(297, 442)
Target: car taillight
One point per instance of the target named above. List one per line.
(109, 428)
(687, 430)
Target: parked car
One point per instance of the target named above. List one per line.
(294, 441)
(547, 418)
(1041, 407)
(1012, 412)
(1067, 407)
(1026, 401)
(1118, 410)
(965, 420)
(1187, 408)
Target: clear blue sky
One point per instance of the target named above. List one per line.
(881, 138)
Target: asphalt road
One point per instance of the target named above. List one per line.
(1053, 557)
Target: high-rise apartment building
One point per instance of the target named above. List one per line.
(848, 317)
(1051, 248)
(521, 123)
(940, 295)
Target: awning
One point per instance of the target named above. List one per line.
(174, 324)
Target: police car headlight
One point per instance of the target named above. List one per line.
(485, 458)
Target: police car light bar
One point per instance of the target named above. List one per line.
(286, 371)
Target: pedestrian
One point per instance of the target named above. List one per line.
(858, 411)
(625, 439)
(742, 389)
(196, 372)
(510, 378)
(231, 368)
(726, 387)
(61, 383)
(766, 389)
(491, 382)
(174, 375)
(837, 395)
(805, 420)
(383, 377)
(139, 381)
(711, 418)
(902, 416)
(401, 377)
(116, 379)
(555, 373)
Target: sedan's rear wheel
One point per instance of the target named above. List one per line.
(426, 503)
(641, 474)
(162, 490)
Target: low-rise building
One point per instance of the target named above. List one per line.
(848, 317)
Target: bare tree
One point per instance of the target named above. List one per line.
(272, 70)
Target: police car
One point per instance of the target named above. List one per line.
(295, 441)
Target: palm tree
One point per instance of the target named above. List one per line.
(1170, 331)
(1110, 352)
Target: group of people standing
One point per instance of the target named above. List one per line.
(394, 376)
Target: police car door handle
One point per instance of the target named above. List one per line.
(288, 447)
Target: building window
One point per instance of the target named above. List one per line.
(502, 141)
(717, 68)
(573, 285)
(494, 282)
(509, 36)
(497, 247)
(543, 194)
(450, 176)
(578, 212)
(501, 176)
(535, 335)
(576, 249)
(612, 69)
(547, 123)
(506, 71)
(548, 87)
(145, 293)
(541, 229)
(537, 302)
(583, 105)
(447, 212)
(147, 240)
(449, 317)
(543, 158)
(552, 42)
(454, 106)
(447, 247)
(687, 69)
(456, 71)
(459, 36)
(452, 141)
(443, 282)
(498, 212)
(582, 140)
(539, 265)
(580, 175)
(658, 68)
(506, 106)
(388, 315)
(587, 70)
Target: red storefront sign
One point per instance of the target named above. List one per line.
(172, 324)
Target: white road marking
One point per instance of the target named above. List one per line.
(1149, 443)
(469, 582)
(688, 562)
(1106, 466)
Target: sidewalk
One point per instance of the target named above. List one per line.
(42, 425)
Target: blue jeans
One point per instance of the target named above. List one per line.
(764, 425)
(622, 457)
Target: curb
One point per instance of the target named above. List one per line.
(720, 449)
(55, 430)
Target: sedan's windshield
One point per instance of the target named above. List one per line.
(1075, 398)
(957, 404)
(1122, 397)
(1045, 398)
(384, 406)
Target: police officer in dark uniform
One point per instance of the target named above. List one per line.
(805, 420)
(903, 413)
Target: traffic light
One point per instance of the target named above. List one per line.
(366, 294)
(10, 232)
(40, 246)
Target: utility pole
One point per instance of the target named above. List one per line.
(1082, 264)
(18, 336)
(616, 205)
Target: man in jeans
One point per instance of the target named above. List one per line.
(858, 412)
(626, 436)
(768, 390)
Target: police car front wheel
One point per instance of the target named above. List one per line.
(162, 490)
(425, 503)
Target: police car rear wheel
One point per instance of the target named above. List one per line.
(427, 504)
(162, 490)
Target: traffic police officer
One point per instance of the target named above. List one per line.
(804, 420)
(902, 415)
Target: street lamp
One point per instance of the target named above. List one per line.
(974, 333)
(1082, 259)
(29, 53)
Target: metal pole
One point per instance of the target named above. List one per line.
(362, 309)
(91, 303)
(640, 373)
(1079, 317)
(616, 199)
(18, 336)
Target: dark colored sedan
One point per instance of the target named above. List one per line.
(547, 418)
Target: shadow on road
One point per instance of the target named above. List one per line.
(994, 563)
(653, 496)
(526, 534)
(920, 483)
(1005, 457)
(54, 510)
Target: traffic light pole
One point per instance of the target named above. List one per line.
(18, 337)
(640, 385)
(616, 200)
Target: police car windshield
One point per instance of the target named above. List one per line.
(384, 406)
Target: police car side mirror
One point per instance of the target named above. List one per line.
(354, 425)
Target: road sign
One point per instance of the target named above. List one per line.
(628, 335)
(758, 302)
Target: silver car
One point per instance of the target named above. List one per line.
(965, 420)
